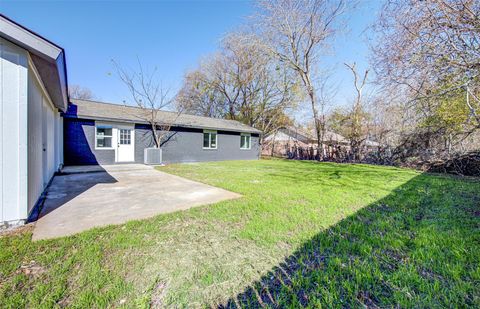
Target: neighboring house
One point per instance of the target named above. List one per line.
(105, 133)
(372, 144)
(33, 91)
(284, 139)
(280, 142)
(40, 129)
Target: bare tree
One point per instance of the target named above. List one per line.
(79, 92)
(241, 82)
(428, 52)
(389, 119)
(151, 98)
(356, 136)
(296, 32)
(199, 96)
(326, 94)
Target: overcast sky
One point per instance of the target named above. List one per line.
(170, 35)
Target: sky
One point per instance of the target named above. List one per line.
(171, 36)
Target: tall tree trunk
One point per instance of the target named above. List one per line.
(273, 143)
(155, 135)
(311, 94)
(355, 139)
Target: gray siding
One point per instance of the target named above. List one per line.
(184, 145)
(187, 146)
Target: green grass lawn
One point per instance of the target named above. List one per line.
(303, 233)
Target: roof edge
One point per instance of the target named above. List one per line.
(45, 49)
(246, 129)
(254, 131)
(28, 39)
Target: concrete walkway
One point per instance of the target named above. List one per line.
(87, 197)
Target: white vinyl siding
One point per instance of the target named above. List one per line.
(209, 139)
(13, 132)
(35, 141)
(44, 138)
(31, 134)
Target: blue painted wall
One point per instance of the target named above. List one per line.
(79, 144)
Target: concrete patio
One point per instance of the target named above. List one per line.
(91, 196)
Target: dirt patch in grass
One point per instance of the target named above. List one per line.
(17, 230)
(158, 294)
(31, 269)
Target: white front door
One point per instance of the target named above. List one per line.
(125, 145)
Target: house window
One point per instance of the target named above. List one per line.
(245, 142)
(209, 139)
(104, 137)
(125, 137)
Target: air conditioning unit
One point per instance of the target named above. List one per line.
(152, 156)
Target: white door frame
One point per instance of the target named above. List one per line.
(120, 156)
(116, 127)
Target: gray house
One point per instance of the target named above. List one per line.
(41, 130)
(105, 133)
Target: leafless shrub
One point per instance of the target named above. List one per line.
(79, 92)
(150, 97)
(427, 62)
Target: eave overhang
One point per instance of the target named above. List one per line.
(48, 58)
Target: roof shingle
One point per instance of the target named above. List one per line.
(116, 112)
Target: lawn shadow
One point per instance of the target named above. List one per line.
(392, 253)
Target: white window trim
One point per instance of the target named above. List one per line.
(216, 139)
(104, 125)
(249, 142)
